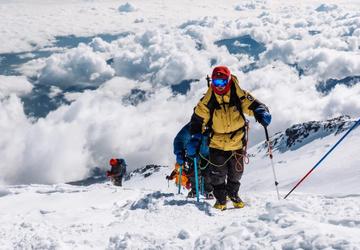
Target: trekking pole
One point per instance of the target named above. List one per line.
(202, 185)
(318, 163)
(272, 162)
(180, 177)
(196, 179)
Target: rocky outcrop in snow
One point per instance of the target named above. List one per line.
(301, 134)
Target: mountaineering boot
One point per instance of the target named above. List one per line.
(220, 206)
(209, 196)
(191, 194)
(237, 202)
(117, 181)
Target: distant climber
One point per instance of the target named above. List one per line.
(117, 172)
(221, 111)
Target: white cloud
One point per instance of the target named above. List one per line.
(18, 85)
(99, 45)
(326, 7)
(251, 5)
(139, 20)
(53, 152)
(127, 7)
(4, 191)
(91, 130)
(343, 100)
(247, 6)
(13, 126)
(326, 63)
(54, 91)
(280, 50)
(78, 66)
(98, 125)
(163, 58)
(293, 99)
(290, 99)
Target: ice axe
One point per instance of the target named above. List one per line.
(272, 162)
(208, 80)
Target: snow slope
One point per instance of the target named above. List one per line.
(105, 217)
(147, 213)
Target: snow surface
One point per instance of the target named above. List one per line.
(147, 212)
(105, 217)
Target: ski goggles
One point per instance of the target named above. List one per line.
(220, 82)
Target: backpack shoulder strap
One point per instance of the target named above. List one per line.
(211, 105)
(235, 99)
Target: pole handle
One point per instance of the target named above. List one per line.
(268, 142)
(266, 134)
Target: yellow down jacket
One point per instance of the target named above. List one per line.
(228, 123)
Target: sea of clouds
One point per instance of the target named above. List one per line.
(132, 112)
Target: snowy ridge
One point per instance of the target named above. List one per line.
(301, 134)
(298, 149)
(144, 171)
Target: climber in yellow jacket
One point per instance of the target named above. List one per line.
(222, 111)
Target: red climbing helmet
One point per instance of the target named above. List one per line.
(113, 162)
(221, 80)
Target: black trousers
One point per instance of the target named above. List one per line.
(117, 180)
(226, 178)
(202, 173)
(205, 173)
